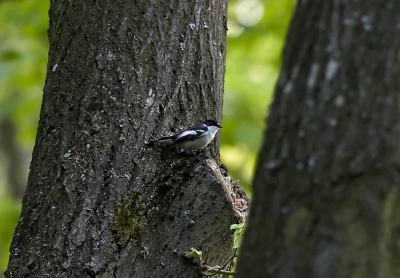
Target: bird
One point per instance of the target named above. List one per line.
(193, 138)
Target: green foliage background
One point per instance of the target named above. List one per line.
(257, 29)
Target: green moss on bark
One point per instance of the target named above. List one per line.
(129, 218)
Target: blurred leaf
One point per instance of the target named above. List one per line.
(23, 58)
(9, 213)
(238, 234)
(194, 254)
(252, 69)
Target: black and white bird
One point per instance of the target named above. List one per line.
(193, 138)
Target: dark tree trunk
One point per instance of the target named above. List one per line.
(15, 160)
(99, 202)
(326, 189)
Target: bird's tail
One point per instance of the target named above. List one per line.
(162, 141)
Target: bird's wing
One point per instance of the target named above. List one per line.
(191, 134)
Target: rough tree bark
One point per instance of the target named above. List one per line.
(99, 202)
(326, 189)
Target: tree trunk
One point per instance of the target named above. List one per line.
(99, 201)
(16, 172)
(326, 190)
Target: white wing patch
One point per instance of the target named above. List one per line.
(186, 133)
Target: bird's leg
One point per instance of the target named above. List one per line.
(198, 158)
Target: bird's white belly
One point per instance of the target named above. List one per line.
(196, 144)
(201, 142)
